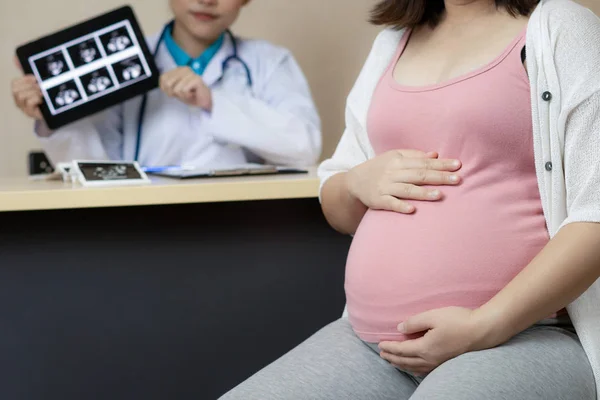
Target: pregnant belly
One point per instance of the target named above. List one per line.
(444, 255)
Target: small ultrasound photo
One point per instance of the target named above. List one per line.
(96, 82)
(108, 172)
(52, 66)
(84, 53)
(64, 94)
(116, 41)
(129, 69)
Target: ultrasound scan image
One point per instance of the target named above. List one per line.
(99, 84)
(128, 70)
(56, 67)
(67, 97)
(64, 94)
(84, 53)
(116, 41)
(115, 172)
(108, 172)
(132, 72)
(51, 66)
(97, 81)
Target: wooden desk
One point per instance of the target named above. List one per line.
(179, 290)
(23, 194)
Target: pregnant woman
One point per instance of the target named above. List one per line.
(469, 174)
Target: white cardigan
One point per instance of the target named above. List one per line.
(563, 59)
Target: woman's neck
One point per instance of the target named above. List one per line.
(192, 46)
(464, 11)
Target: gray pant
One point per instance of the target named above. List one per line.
(546, 363)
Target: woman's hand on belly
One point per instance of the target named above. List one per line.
(386, 181)
(449, 332)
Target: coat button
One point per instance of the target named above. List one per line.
(547, 96)
(548, 166)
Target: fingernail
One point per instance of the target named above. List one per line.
(434, 194)
(456, 163)
(454, 178)
(410, 209)
(401, 327)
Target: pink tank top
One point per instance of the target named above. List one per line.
(462, 250)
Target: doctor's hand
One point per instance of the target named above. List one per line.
(184, 84)
(27, 95)
(386, 181)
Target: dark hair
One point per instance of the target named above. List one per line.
(410, 13)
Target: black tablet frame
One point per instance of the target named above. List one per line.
(29, 50)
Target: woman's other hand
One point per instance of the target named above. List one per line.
(442, 334)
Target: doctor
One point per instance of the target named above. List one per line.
(222, 101)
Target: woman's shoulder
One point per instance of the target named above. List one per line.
(566, 36)
(569, 35)
(383, 49)
(568, 17)
(565, 7)
(388, 39)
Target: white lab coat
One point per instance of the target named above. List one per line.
(275, 121)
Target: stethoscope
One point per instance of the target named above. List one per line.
(233, 57)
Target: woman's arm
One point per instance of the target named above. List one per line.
(570, 263)
(565, 268)
(342, 210)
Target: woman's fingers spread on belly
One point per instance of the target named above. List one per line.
(426, 177)
(391, 203)
(435, 164)
(413, 192)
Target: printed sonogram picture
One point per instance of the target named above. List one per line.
(108, 171)
(96, 82)
(84, 53)
(64, 94)
(52, 65)
(116, 41)
(129, 69)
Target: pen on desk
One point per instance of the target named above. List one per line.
(158, 169)
(166, 168)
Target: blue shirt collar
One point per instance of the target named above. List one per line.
(182, 59)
